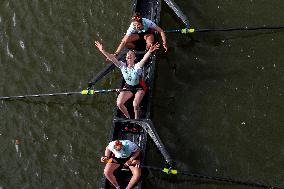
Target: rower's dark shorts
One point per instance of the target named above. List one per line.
(135, 88)
(140, 44)
(141, 34)
(123, 160)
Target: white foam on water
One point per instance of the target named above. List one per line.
(45, 136)
(61, 48)
(17, 147)
(9, 52)
(64, 158)
(18, 150)
(47, 67)
(84, 20)
(22, 44)
(76, 114)
(14, 19)
(71, 148)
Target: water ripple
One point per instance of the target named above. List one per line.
(14, 19)
(9, 53)
(22, 44)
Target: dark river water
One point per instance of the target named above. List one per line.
(218, 103)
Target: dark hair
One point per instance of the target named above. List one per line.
(137, 17)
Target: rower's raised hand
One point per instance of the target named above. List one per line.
(154, 47)
(99, 45)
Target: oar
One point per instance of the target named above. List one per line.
(221, 179)
(192, 30)
(148, 126)
(170, 171)
(101, 74)
(104, 71)
(178, 11)
(83, 92)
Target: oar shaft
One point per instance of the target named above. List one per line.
(104, 72)
(239, 29)
(191, 30)
(177, 10)
(37, 95)
(91, 92)
(83, 92)
(101, 74)
(220, 179)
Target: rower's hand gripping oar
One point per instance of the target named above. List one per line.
(192, 30)
(83, 92)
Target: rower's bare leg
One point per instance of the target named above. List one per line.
(130, 39)
(108, 172)
(136, 173)
(121, 99)
(149, 38)
(136, 102)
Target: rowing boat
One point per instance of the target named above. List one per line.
(132, 129)
(138, 130)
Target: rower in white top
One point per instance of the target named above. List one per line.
(132, 75)
(141, 29)
(122, 152)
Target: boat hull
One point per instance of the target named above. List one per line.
(130, 130)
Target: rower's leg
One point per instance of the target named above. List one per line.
(136, 102)
(149, 38)
(108, 172)
(136, 173)
(130, 39)
(121, 99)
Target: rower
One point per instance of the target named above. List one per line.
(132, 74)
(122, 152)
(141, 29)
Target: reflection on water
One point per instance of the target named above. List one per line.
(218, 99)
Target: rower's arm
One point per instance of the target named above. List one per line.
(148, 54)
(112, 58)
(135, 155)
(109, 56)
(107, 153)
(162, 33)
(144, 59)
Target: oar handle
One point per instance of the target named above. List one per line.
(183, 31)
